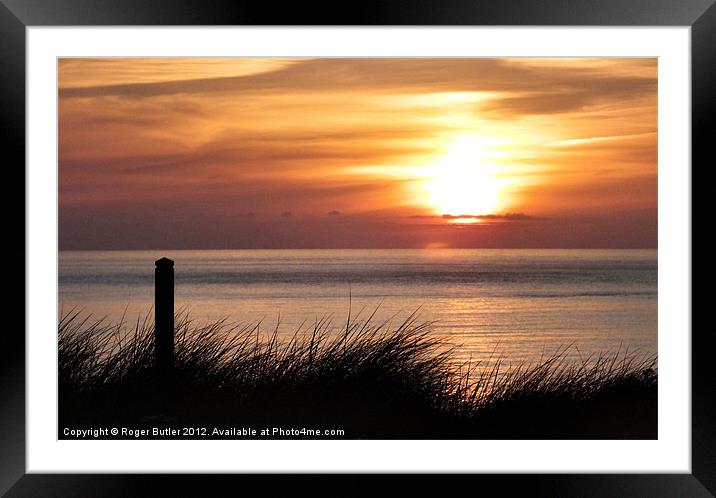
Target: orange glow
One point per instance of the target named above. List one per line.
(281, 143)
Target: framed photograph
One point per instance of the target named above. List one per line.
(425, 240)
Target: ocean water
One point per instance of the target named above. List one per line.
(515, 305)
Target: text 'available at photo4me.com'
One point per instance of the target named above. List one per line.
(199, 433)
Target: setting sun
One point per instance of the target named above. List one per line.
(465, 180)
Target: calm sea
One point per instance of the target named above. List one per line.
(517, 304)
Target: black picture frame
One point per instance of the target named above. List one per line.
(17, 15)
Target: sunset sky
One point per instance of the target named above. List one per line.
(307, 153)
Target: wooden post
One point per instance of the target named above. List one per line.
(164, 314)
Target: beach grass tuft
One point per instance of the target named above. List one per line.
(370, 379)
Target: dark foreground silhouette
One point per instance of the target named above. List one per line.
(367, 380)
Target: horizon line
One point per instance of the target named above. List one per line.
(511, 248)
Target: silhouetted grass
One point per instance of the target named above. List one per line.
(372, 380)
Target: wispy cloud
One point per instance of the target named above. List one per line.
(497, 217)
(238, 139)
